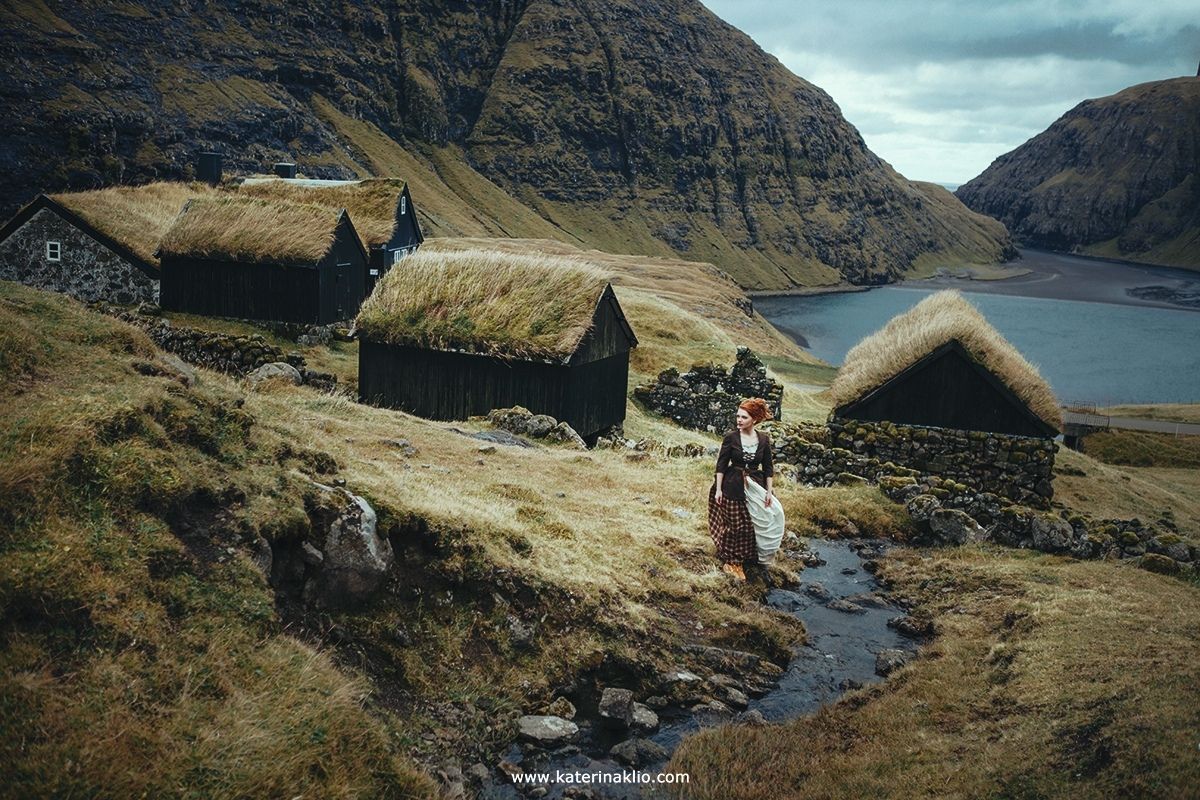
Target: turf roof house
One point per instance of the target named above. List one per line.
(938, 389)
(258, 259)
(95, 245)
(457, 334)
(382, 210)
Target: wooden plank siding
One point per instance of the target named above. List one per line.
(948, 389)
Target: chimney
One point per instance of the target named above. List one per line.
(208, 168)
(285, 169)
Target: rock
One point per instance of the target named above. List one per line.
(274, 371)
(562, 433)
(505, 438)
(638, 752)
(486, 449)
(311, 555)
(478, 773)
(912, 627)
(845, 606)
(753, 718)
(950, 526)
(616, 707)
(921, 507)
(818, 591)
(644, 719)
(1051, 534)
(1161, 564)
(356, 560)
(561, 707)
(546, 729)
(849, 684)
(889, 660)
(868, 600)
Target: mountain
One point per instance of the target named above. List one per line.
(648, 126)
(1118, 176)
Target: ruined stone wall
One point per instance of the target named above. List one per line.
(706, 398)
(87, 270)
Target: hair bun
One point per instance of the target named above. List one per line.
(757, 408)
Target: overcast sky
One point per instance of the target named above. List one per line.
(939, 89)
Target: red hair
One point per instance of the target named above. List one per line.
(757, 408)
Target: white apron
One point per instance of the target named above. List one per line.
(768, 522)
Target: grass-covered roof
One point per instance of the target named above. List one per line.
(371, 203)
(253, 230)
(506, 304)
(135, 216)
(928, 325)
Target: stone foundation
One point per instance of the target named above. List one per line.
(706, 398)
(1020, 468)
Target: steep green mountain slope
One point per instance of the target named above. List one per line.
(646, 126)
(1118, 176)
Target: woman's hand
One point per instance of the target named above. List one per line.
(770, 497)
(720, 497)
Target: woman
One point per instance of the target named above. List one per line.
(744, 517)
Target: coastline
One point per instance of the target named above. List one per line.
(1055, 276)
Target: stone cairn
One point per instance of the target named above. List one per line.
(706, 398)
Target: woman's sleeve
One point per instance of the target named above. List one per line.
(723, 456)
(767, 462)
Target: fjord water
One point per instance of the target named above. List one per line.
(1090, 352)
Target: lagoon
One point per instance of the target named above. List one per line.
(1101, 353)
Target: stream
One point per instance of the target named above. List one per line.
(843, 641)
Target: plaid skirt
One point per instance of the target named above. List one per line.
(731, 528)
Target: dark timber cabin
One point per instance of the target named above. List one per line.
(78, 244)
(382, 210)
(570, 362)
(263, 260)
(942, 365)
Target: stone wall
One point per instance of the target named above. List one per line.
(87, 270)
(223, 352)
(707, 397)
(1020, 468)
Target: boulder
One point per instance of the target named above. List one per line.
(889, 660)
(356, 559)
(616, 707)
(1050, 533)
(546, 729)
(644, 719)
(921, 507)
(275, 371)
(912, 627)
(950, 526)
(561, 707)
(638, 752)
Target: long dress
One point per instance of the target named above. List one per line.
(744, 527)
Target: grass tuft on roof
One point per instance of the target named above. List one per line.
(505, 304)
(253, 230)
(934, 321)
(135, 216)
(371, 203)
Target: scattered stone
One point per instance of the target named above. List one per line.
(818, 591)
(1159, 563)
(845, 606)
(644, 719)
(275, 371)
(522, 421)
(545, 729)
(849, 685)
(638, 752)
(912, 627)
(753, 718)
(889, 660)
(478, 773)
(486, 448)
(616, 707)
(869, 600)
(561, 707)
(950, 526)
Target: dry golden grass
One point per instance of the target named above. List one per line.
(135, 216)
(1050, 678)
(371, 203)
(1170, 412)
(515, 305)
(238, 229)
(937, 319)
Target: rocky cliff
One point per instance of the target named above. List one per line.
(1118, 176)
(630, 125)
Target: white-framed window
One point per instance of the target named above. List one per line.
(403, 206)
(374, 273)
(54, 251)
(397, 255)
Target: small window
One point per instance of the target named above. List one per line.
(54, 251)
(403, 206)
(374, 273)
(397, 255)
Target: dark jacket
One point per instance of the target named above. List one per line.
(732, 461)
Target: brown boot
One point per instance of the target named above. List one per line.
(735, 570)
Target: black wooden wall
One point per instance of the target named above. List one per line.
(246, 291)
(448, 385)
(947, 389)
